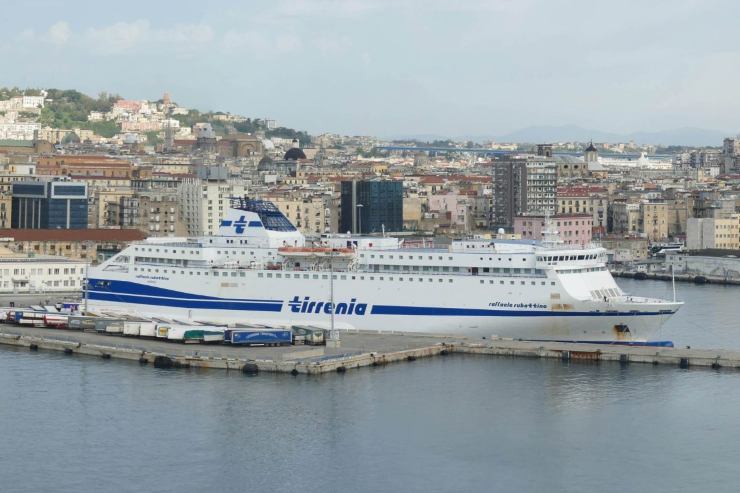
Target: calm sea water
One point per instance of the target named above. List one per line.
(456, 423)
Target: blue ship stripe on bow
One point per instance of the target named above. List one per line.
(133, 288)
(186, 303)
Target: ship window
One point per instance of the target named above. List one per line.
(542, 283)
(440, 258)
(445, 269)
(552, 283)
(449, 280)
(511, 282)
(260, 275)
(278, 276)
(523, 283)
(197, 273)
(381, 256)
(372, 278)
(400, 279)
(421, 279)
(315, 276)
(490, 282)
(482, 281)
(343, 278)
(501, 282)
(305, 276)
(580, 257)
(382, 279)
(233, 274)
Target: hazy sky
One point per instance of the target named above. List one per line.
(390, 67)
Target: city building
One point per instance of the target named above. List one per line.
(713, 233)
(371, 206)
(203, 202)
(653, 221)
(574, 229)
(95, 245)
(523, 187)
(26, 273)
(49, 204)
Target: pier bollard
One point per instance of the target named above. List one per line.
(410, 357)
(105, 356)
(250, 369)
(683, 363)
(33, 347)
(163, 362)
(68, 351)
(294, 372)
(341, 369)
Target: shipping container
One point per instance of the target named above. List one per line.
(56, 321)
(148, 329)
(80, 322)
(131, 328)
(260, 337)
(309, 335)
(35, 319)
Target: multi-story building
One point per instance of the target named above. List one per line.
(371, 206)
(625, 217)
(314, 214)
(24, 273)
(153, 212)
(574, 229)
(523, 187)
(49, 204)
(654, 219)
(203, 203)
(95, 245)
(713, 233)
(84, 167)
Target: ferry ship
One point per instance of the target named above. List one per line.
(261, 270)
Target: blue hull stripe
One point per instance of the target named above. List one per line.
(133, 288)
(477, 312)
(211, 303)
(184, 303)
(612, 343)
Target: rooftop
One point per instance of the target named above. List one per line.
(101, 235)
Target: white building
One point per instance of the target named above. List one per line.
(205, 202)
(19, 131)
(713, 233)
(39, 274)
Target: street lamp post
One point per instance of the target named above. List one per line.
(359, 218)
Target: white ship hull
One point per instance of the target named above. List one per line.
(385, 303)
(258, 270)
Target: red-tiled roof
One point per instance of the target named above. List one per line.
(73, 234)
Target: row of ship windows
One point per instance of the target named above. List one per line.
(533, 283)
(434, 268)
(342, 277)
(431, 257)
(578, 271)
(560, 258)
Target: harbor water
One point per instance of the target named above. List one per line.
(454, 423)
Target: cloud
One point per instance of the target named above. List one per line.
(129, 37)
(59, 33)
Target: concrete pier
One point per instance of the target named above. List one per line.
(358, 349)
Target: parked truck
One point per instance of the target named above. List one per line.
(259, 337)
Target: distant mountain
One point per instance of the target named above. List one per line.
(688, 136)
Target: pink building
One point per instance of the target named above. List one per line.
(575, 229)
